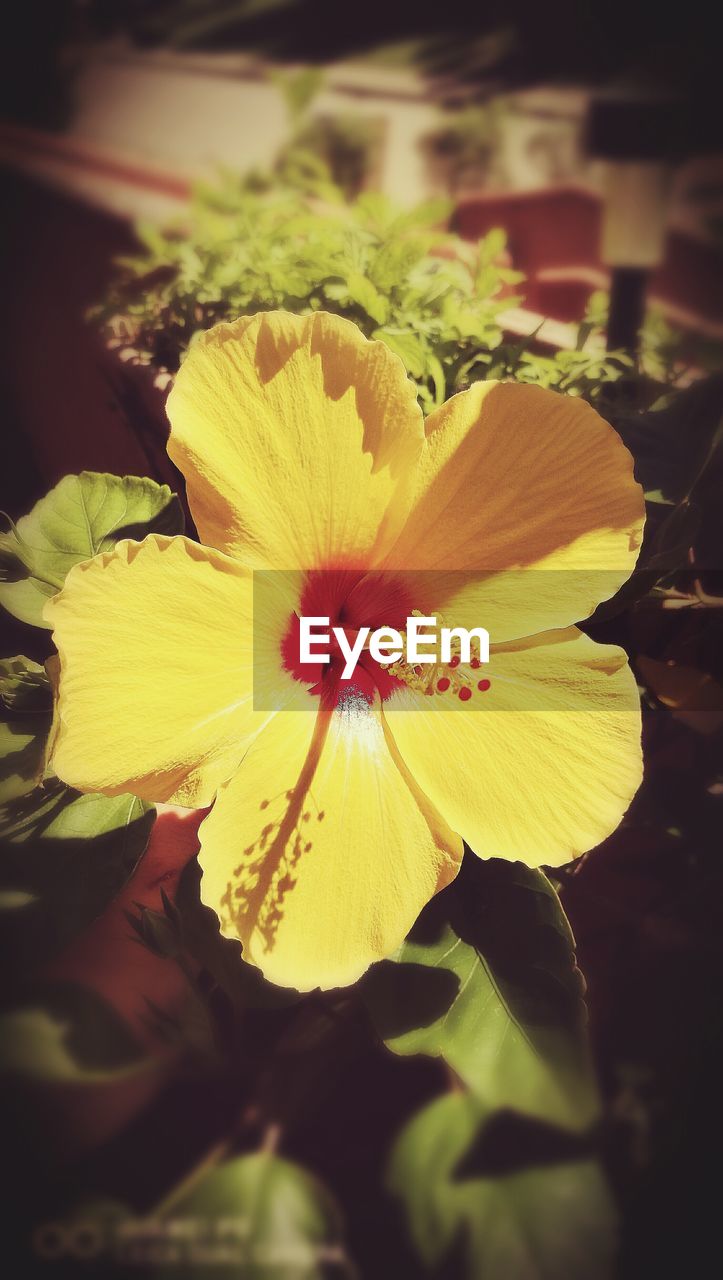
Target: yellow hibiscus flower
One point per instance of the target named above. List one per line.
(336, 817)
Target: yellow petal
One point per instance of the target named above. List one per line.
(526, 513)
(320, 853)
(297, 438)
(156, 679)
(542, 766)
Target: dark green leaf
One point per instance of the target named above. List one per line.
(69, 854)
(539, 1224)
(26, 707)
(487, 980)
(552, 1222)
(220, 957)
(66, 1034)
(672, 445)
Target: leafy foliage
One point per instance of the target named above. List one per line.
(487, 980)
(26, 707)
(63, 855)
(552, 1220)
(254, 245)
(81, 517)
(292, 241)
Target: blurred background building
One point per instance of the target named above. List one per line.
(113, 111)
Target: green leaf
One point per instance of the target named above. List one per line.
(26, 709)
(66, 1034)
(395, 259)
(375, 208)
(486, 281)
(657, 497)
(363, 292)
(430, 213)
(299, 88)
(274, 1218)
(487, 980)
(492, 245)
(82, 516)
(541, 1223)
(407, 346)
(70, 854)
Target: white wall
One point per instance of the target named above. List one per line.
(190, 113)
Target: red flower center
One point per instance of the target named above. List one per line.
(351, 599)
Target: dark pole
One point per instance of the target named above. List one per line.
(632, 134)
(628, 287)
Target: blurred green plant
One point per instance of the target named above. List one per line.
(289, 240)
(667, 356)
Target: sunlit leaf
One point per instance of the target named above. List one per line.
(407, 346)
(393, 262)
(430, 213)
(363, 292)
(82, 516)
(492, 245)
